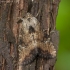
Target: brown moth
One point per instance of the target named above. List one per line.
(33, 41)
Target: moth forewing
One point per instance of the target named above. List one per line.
(32, 43)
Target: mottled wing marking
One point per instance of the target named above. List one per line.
(28, 40)
(32, 41)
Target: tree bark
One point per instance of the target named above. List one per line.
(10, 11)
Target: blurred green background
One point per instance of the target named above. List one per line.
(63, 25)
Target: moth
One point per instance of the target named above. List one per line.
(33, 41)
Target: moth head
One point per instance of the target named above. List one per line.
(27, 16)
(30, 23)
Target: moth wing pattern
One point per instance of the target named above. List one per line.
(28, 36)
(31, 41)
(46, 49)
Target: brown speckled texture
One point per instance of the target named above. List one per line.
(33, 42)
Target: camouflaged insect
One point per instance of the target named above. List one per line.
(33, 41)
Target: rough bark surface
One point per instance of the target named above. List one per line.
(10, 11)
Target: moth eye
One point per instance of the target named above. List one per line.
(31, 29)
